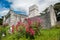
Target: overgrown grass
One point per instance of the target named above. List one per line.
(46, 34)
(52, 34)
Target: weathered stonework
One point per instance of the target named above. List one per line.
(48, 19)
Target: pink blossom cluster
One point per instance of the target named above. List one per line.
(27, 25)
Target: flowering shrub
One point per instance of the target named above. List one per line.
(18, 30)
(30, 29)
(13, 28)
(32, 32)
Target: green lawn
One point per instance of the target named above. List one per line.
(51, 34)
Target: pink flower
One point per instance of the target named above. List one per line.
(17, 27)
(32, 32)
(27, 30)
(27, 27)
(18, 24)
(12, 28)
(29, 21)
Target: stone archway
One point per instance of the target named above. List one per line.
(57, 11)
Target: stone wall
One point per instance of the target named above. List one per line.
(45, 20)
(15, 18)
(49, 18)
(52, 15)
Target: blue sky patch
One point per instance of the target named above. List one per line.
(20, 12)
(5, 3)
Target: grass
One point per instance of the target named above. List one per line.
(51, 34)
(46, 34)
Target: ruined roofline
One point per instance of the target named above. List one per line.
(14, 13)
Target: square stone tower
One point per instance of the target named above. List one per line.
(33, 11)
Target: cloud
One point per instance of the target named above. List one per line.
(25, 4)
(4, 11)
(22, 4)
(4, 7)
(43, 4)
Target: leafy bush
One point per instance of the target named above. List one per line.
(28, 30)
(0, 33)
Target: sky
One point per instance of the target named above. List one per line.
(23, 5)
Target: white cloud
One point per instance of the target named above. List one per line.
(24, 4)
(4, 11)
(43, 4)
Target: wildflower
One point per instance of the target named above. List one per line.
(27, 30)
(32, 32)
(29, 21)
(17, 27)
(18, 24)
(27, 27)
(12, 28)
